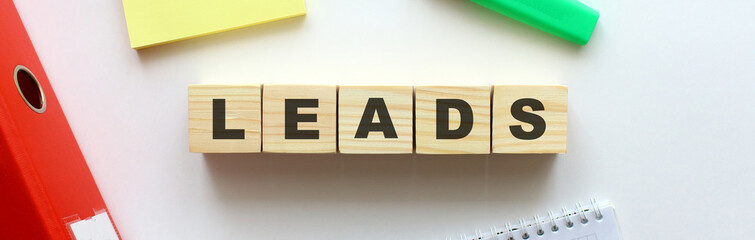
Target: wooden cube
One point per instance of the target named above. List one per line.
(375, 119)
(529, 119)
(452, 120)
(224, 118)
(299, 118)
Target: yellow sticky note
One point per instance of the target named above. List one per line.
(154, 22)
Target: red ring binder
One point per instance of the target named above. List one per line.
(46, 188)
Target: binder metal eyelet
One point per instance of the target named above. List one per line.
(21, 69)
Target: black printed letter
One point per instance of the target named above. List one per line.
(293, 118)
(442, 130)
(385, 125)
(218, 123)
(538, 123)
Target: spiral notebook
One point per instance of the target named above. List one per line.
(594, 222)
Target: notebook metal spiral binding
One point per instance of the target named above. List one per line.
(552, 223)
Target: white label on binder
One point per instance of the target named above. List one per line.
(97, 227)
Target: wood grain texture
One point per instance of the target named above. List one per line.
(273, 120)
(399, 101)
(554, 100)
(478, 139)
(243, 111)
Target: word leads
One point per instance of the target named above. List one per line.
(377, 119)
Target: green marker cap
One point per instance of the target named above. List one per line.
(567, 19)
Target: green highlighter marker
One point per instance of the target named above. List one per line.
(567, 19)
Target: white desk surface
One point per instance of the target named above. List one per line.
(661, 112)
